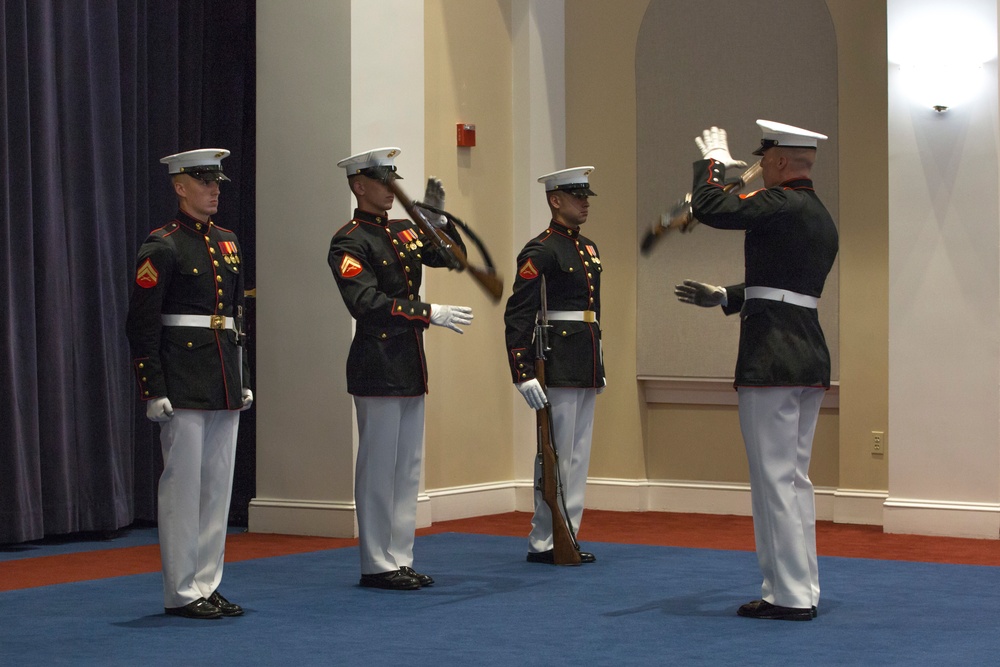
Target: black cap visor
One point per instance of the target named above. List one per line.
(205, 173)
(382, 174)
(575, 189)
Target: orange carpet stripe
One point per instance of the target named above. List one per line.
(699, 531)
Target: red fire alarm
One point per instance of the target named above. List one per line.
(466, 134)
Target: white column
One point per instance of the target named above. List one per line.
(305, 439)
(334, 77)
(944, 292)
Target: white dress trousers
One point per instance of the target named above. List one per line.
(199, 447)
(778, 424)
(387, 479)
(573, 428)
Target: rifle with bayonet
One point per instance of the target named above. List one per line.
(681, 217)
(565, 549)
(487, 277)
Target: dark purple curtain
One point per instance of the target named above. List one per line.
(92, 94)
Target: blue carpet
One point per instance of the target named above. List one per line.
(637, 605)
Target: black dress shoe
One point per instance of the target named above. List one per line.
(773, 612)
(393, 581)
(813, 611)
(422, 579)
(549, 558)
(200, 608)
(225, 606)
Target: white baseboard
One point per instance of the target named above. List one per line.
(858, 506)
(302, 517)
(462, 502)
(943, 518)
(337, 519)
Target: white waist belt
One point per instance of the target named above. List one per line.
(572, 315)
(202, 321)
(775, 294)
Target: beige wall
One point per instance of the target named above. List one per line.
(472, 412)
(468, 79)
(601, 128)
(864, 240)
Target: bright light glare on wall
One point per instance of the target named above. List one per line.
(940, 53)
(942, 86)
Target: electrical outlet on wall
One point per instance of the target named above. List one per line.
(878, 442)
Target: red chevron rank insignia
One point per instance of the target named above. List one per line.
(146, 275)
(528, 271)
(349, 267)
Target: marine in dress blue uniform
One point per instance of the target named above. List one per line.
(783, 366)
(574, 367)
(184, 327)
(377, 263)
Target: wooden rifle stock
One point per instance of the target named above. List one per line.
(487, 279)
(680, 216)
(565, 550)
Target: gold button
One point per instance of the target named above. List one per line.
(143, 378)
(207, 239)
(591, 289)
(385, 262)
(401, 255)
(395, 242)
(564, 333)
(219, 306)
(520, 365)
(411, 297)
(590, 275)
(190, 344)
(592, 299)
(216, 262)
(410, 283)
(383, 336)
(141, 365)
(571, 269)
(218, 279)
(145, 393)
(220, 291)
(196, 270)
(197, 225)
(518, 355)
(407, 269)
(212, 250)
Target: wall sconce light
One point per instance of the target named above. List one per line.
(941, 86)
(941, 50)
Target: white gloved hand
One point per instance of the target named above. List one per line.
(451, 316)
(701, 294)
(714, 145)
(533, 393)
(434, 196)
(159, 409)
(247, 399)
